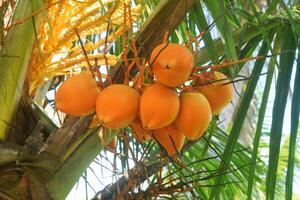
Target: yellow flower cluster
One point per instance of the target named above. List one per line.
(57, 50)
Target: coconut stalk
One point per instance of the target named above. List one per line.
(14, 58)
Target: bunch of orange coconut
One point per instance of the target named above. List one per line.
(161, 110)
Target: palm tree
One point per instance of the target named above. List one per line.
(43, 42)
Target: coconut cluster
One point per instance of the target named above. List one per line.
(161, 110)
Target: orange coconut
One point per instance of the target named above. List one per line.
(171, 64)
(77, 95)
(159, 106)
(139, 132)
(117, 106)
(218, 94)
(171, 138)
(194, 115)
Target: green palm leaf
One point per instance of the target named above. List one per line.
(282, 87)
(294, 130)
(260, 120)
